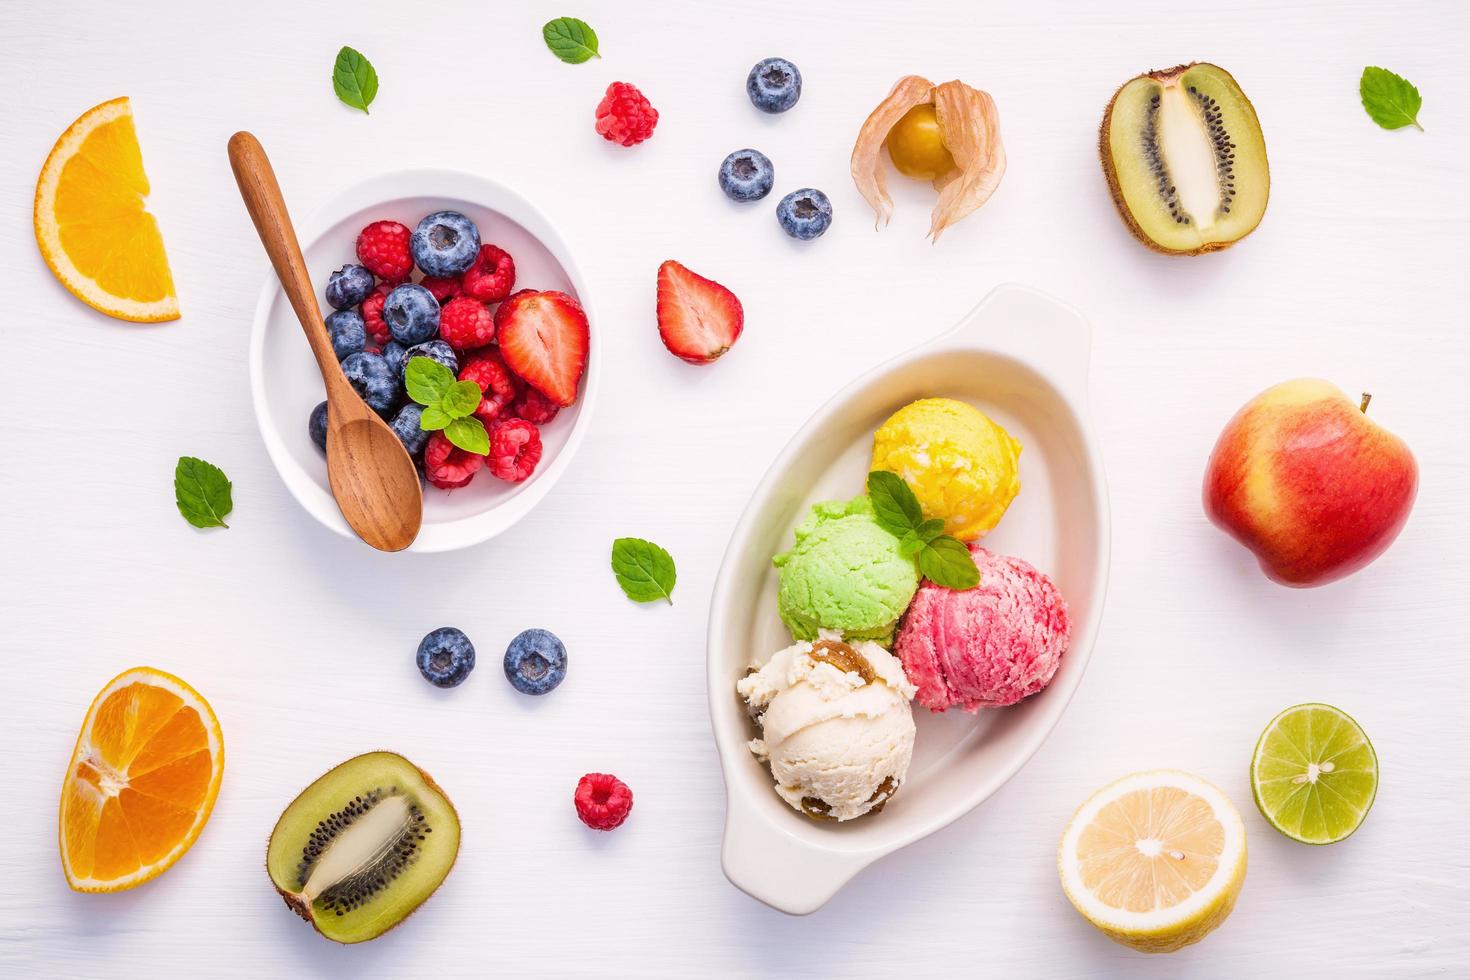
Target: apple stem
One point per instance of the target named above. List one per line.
(1363, 405)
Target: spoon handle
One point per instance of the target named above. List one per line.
(273, 223)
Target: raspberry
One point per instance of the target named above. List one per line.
(372, 314)
(603, 802)
(534, 407)
(515, 449)
(383, 248)
(487, 369)
(447, 466)
(493, 275)
(624, 116)
(444, 288)
(466, 324)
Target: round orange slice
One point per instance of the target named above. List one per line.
(90, 221)
(142, 781)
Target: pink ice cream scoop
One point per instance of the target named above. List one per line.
(989, 646)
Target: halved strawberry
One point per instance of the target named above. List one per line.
(698, 319)
(544, 339)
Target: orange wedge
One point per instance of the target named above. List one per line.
(142, 781)
(90, 221)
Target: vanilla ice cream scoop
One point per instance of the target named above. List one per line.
(835, 722)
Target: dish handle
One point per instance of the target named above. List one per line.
(1049, 336)
(780, 869)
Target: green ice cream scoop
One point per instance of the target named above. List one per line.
(844, 573)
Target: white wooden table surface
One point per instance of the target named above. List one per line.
(304, 642)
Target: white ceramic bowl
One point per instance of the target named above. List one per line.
(1021, 358)
(286, 386)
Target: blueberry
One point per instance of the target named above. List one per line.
(773, 85)
(393, 354)
(349, 334)
(317, 426)
(747, 175)
(349, 286)
(412, 313)
(436, 350)
(446, 657)
(535, 662)
(805, 214)
(372, 380)
(445, 244)
(406, 427)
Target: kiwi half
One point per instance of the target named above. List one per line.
(1185, 159)
(362, 847)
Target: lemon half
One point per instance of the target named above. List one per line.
(1154, 860)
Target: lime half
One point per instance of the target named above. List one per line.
(1314, 774)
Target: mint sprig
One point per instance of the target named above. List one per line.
(572, 40)
(202, 492)
(462, 398)
(942, 559)
(354, 79)
(449, 405)
(913, 541)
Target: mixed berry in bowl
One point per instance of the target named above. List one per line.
(427, 315)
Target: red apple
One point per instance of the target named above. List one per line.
(1302, 477)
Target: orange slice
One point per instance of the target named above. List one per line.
(142, 781)
(90, 221)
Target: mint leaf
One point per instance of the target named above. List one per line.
(914, 541)
(894, 505)
(468, 434)
(1390, 100)
(433, 418)
(202, 492)
(570, 39)
(946, 561)
(355, 79)
(462, 398)
(930, 529)
(643, 569)
(427, 380)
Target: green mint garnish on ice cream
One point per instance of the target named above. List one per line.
(448, 404)
(943, 560)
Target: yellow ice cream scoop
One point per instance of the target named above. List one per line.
(960, 464)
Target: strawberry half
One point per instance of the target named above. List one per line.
(544, 340)
(698, 319)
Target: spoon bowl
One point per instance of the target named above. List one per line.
(368, 438)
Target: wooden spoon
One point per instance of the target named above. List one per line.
(372, 476)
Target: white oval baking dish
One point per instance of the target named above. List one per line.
(1021, 358)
